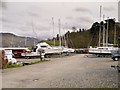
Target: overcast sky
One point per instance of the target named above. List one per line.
(34, 19)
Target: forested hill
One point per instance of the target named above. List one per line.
(84, 38)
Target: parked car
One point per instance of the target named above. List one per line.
(79, 51)
(115, 55)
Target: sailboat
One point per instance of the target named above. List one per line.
(106, 48)
(66, 49)
(48, 50)
(51, 50)
(60, 48)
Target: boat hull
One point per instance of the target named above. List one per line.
(102, 50)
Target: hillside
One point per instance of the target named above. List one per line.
(76, 39)
(86, 38)
(90, 37)
(11, 40)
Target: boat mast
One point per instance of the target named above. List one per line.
(114, 33)
(59, 33)
(33, 32)
(64, 35)
(12, 41)
(36, 36)
(25, 41)
(107, 32)
(64, 38)
(103, 31)
(67, 38)
(53, 30)
(100, 29)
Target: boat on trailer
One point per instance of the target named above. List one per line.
(49, 49)
(102, 50)
(105, 48)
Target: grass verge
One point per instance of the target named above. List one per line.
(21, 65)
(38, 62)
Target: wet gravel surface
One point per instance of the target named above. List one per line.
(67, 72)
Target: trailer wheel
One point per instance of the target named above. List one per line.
(118, 71)
(115, 59)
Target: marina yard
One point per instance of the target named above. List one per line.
(60, 45)
(77, 71)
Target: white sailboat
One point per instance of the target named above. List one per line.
(49, 50)
(52, 50)
(106, 48)
(66, 49)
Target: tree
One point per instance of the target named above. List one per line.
(119, 41)
(57, 37)
(80, 30)
(74, 29)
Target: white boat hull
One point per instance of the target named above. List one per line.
(102, 50)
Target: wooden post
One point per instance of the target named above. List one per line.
(3, 60)
(40, 52)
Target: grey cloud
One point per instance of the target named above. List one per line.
(35, 26)
(110, 8)
(10, 21)
(42, 28)
(85, 19)
(81, 9)
(0, 3)
(5, 20)
(69, 18)
(19, 16)
(33, 14)
(3, 5)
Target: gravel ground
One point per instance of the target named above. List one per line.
(67, 72)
